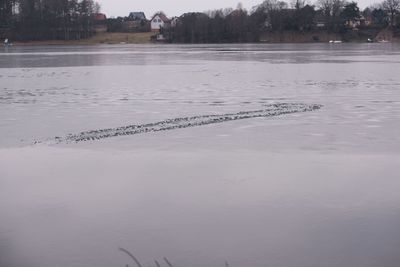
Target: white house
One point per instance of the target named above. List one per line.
(159, 21)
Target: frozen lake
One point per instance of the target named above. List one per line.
(250, 184)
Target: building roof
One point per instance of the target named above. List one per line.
(162, 16)
(137, 16)
(99, 16)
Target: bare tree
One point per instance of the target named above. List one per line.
(6, 10)
(331, 9)
(392, 7)
(272, 5)
(272, 12)
(97, 7)
(298, 4)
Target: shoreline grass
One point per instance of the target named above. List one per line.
(99, 38)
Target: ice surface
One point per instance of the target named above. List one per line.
(304, 189)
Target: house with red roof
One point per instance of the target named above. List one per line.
(99, 17)
(100, 22)
(159, 21)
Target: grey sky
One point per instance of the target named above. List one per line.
(178, 7)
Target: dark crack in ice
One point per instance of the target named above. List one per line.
(185, 122)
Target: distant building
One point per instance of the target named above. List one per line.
(135, 16)
(135, 26)
(99, 17)
(359, 22)
(136, 22)
(159, 21)
(174, 21)
(368, 21)
(100, 22)
(320, 20)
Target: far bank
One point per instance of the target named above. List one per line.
(385, 35)
(99, 38)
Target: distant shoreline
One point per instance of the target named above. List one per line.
(100, 38)
(145, 38)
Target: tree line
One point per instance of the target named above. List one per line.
(47, 19)
(73, 19)
(240, 25)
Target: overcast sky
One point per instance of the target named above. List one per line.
(178, 7)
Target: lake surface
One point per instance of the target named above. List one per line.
(305, 189)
